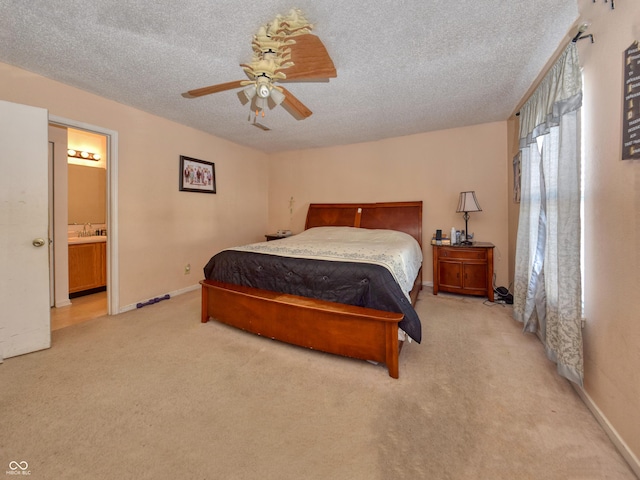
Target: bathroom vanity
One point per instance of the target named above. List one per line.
(87, 263)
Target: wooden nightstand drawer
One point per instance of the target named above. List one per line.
(460, 253)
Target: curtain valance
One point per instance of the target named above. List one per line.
(559, 92)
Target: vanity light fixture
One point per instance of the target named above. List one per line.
(467, 203)
(83, 155)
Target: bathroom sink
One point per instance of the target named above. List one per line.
(92, 239)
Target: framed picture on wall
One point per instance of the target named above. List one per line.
(517, 175)
(197, 175)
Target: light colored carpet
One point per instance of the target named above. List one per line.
(155, 394)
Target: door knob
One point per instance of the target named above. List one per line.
(38, 242)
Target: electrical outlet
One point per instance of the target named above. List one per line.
(187, 269)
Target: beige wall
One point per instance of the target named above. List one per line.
(432, 167)
(160, 228)
(612, 224)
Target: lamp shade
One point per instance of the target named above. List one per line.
(277, 96)
(250, 92)
(261, 103)
(468, 202)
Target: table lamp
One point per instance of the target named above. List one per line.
(467, 203)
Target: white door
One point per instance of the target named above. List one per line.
(24, 236)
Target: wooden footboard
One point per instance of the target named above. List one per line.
(345, 330)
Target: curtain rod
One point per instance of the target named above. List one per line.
(581, 30)
(578, 36)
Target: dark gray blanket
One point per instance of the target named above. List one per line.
(351, 283)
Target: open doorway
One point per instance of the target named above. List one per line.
(86, 163)
(82, 236)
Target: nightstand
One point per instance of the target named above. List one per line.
(464, 269)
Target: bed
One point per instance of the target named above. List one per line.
(252, 290)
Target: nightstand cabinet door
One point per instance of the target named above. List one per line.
(474, 277)
(463, 269)
(450, 274)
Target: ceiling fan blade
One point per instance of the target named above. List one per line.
(311, 61)
(221, 87)
(294, 106)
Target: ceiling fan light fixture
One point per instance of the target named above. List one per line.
(261, 103)
(263, 87)
(263, 91)
(277, 96)
(250, 92)
(273, 52)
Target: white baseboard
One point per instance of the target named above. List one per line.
(133, 306)
(619, 443)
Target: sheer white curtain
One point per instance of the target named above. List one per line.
(547, 284)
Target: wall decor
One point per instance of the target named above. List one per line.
(517, 176)
(197, 175)
(631, 107)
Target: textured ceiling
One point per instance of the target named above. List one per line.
(404, 66)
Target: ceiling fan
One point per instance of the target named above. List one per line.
(284, 50)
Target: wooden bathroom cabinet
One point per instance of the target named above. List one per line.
(87, 266)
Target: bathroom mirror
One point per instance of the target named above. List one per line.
(87, 195)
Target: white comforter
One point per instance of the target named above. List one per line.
(399, 252)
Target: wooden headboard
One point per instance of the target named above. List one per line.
(402, 216)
